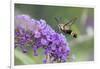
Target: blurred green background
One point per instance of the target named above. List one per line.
(82, 48)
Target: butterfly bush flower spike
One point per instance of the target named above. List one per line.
(38, 34)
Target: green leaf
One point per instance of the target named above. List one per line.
(24, 58)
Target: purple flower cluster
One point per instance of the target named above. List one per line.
(38, 34)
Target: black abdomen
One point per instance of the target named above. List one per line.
(67, 31)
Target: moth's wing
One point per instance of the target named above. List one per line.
(58, 21)
(57, 29)
(70, 22)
